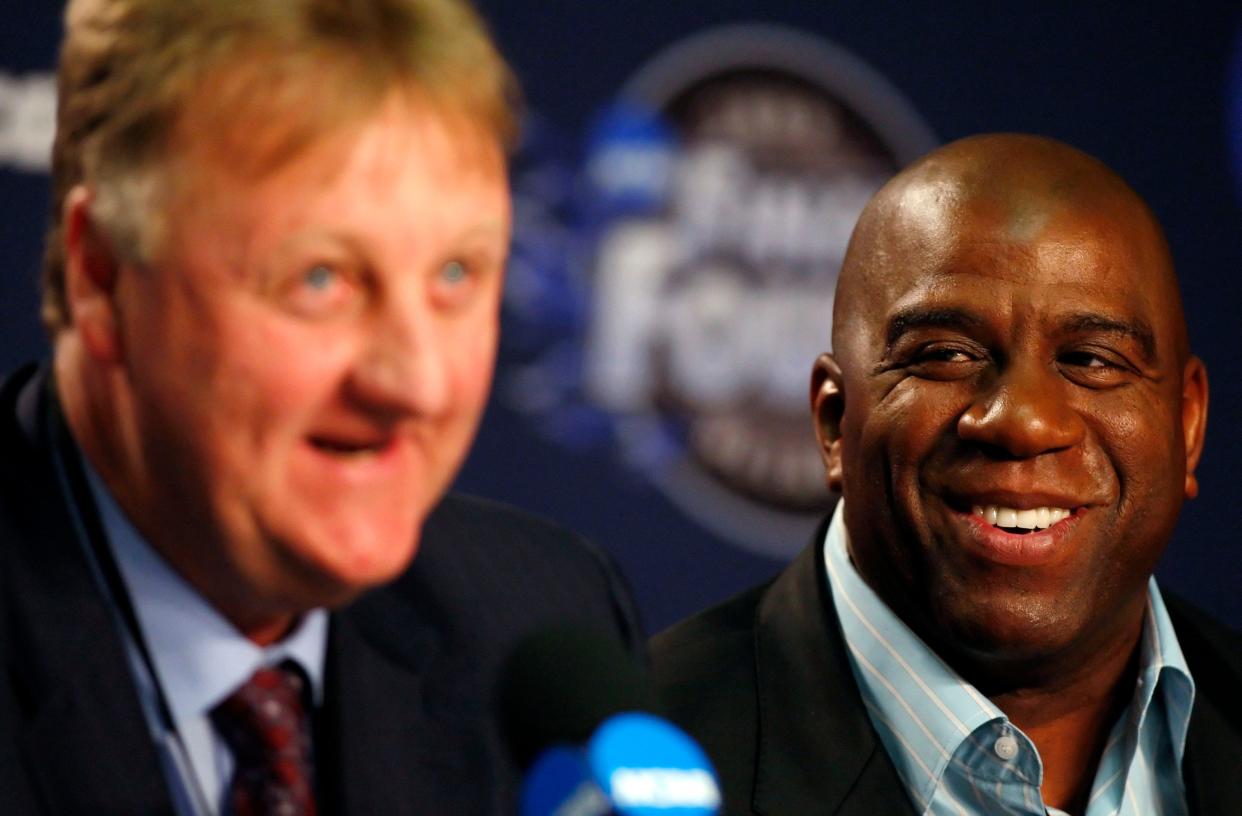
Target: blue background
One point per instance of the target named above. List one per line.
(1149, 90)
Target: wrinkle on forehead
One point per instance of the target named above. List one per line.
(1030, 194)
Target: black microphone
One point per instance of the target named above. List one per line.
(576, 710)
(560, 683)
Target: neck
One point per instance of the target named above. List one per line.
(267, 632)
(1070, 717)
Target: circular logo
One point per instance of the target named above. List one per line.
(711, 215)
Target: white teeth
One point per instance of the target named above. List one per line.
(1037, 518)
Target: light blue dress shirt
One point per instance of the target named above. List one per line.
(957, 753)
(199, 659)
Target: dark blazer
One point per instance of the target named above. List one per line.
(407, 724)
(764, 683)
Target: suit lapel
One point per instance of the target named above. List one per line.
(396, 731)
(89, 749)
(1212, 767)
(817, 750)
(83, 736)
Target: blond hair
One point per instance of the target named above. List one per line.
(130, 71)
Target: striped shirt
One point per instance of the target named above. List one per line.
(957, 753)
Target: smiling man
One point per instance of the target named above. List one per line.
(1012, 416)
(272, 285)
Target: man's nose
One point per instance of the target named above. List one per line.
(1024, 413)
(403, 369)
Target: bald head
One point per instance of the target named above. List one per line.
(1014, 190)
(1008, 335)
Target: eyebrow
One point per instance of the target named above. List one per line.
(1137, 330)
(918, 317)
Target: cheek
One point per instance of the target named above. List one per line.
(1139, 450)
(1143, 442)
(274, 374)
(470, 368)
(909, 423)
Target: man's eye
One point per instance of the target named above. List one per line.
(944, 362)
(1087, 359)
(453, 272)
(320, 277)
(320, 291)
(945, 355)
(1093, 369)
(455, 283)
(1093, 360)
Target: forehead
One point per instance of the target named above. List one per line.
(404, 144)
(1013, 253)
(310, 100)
(394, 190)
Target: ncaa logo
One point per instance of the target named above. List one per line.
(709, 220)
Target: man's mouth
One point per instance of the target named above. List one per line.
(351, 448)
(1020, 521)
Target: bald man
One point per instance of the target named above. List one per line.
(1012, 416)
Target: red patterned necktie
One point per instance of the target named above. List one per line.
(264, 723)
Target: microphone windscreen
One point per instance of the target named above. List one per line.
(560, 683)
(646, 766)
(560, 782)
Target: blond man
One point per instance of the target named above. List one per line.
(272, 284)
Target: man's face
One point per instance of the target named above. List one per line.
(1006, 370)
(309, 353)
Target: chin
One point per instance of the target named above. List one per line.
(372, 554)
(1010, 630)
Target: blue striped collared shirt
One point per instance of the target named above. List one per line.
(957, 753)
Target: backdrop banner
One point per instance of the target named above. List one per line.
(687, 180)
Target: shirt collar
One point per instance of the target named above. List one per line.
(200, 657)
(927, 704)
(1163, 667)
(930, 709)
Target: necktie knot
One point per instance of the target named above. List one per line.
(264, 723)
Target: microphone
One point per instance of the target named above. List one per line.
(576, 710)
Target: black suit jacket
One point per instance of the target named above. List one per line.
(763, 681)
(407, 724)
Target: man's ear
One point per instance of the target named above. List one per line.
(1194, 418)
(827, 407)
(91, 271)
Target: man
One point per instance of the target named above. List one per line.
(1012, 417)
(273, 286)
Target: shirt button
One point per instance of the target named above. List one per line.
(1006, 747)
